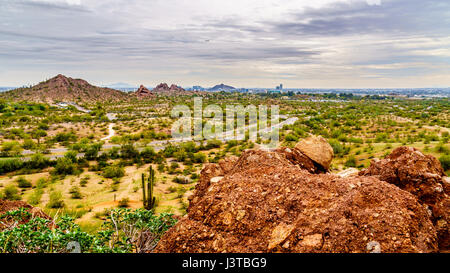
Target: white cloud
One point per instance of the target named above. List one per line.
(374, 2)
(68, 2)
(240, 42)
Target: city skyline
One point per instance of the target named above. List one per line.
(302, 44)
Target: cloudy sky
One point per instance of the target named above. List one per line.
(244, 43)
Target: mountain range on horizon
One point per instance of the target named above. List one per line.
(62, 88)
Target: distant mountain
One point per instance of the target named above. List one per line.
(62, 88)
(5, 88)
(222, 87)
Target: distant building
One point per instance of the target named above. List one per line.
(279, 87)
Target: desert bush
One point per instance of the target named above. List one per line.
(124, 203)
(199, 158)
(351, 162)
(35, 197)
(56, 200)
(114, 171)
(148, 154)
(337, 146)
(10, 165)
(213, 143)
(128, 151)
(11, 193)
(41, 183)
(11, 148)
(181, 180)
(65, 166)
(38, 161)
(75, 193)
(445, 162)
(23, 183)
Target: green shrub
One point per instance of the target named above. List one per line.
(35, 197)
(65, 166)
(38, 161)
(199, 158)
(23, 183)
(75, 193)
(11, 148)
(41, 183)
(445, 162)
(148, 154)
(337, 146)
(351, 162)
(291, 137)
(56, 200)
(113, 172)
(124, 203)
(10, 165)
(11, 193)
(213, 143)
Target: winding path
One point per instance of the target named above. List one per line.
(111, 132)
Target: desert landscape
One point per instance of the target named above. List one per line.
(182, 128)
(359, 160)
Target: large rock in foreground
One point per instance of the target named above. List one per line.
(423, 176)
(317, 149)
(263, 202)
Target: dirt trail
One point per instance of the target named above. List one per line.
(111, 132)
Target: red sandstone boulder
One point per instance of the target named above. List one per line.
(267, 203)
(423, 176)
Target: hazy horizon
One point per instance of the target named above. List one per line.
(326, 44)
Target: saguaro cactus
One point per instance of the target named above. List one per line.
(148, 199)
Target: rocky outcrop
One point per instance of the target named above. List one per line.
(164, 88)
(161, 87)
(273, 201)
(143, 92)
(176, 88)
(423, 176)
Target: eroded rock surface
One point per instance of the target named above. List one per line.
(143, 92)
(423, 176)
(265, 202)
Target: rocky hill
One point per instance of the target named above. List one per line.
(222, 87)
(144, 92)
(285, 200)
(164, 88)
(62, 88)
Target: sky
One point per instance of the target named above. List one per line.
(243, 43)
